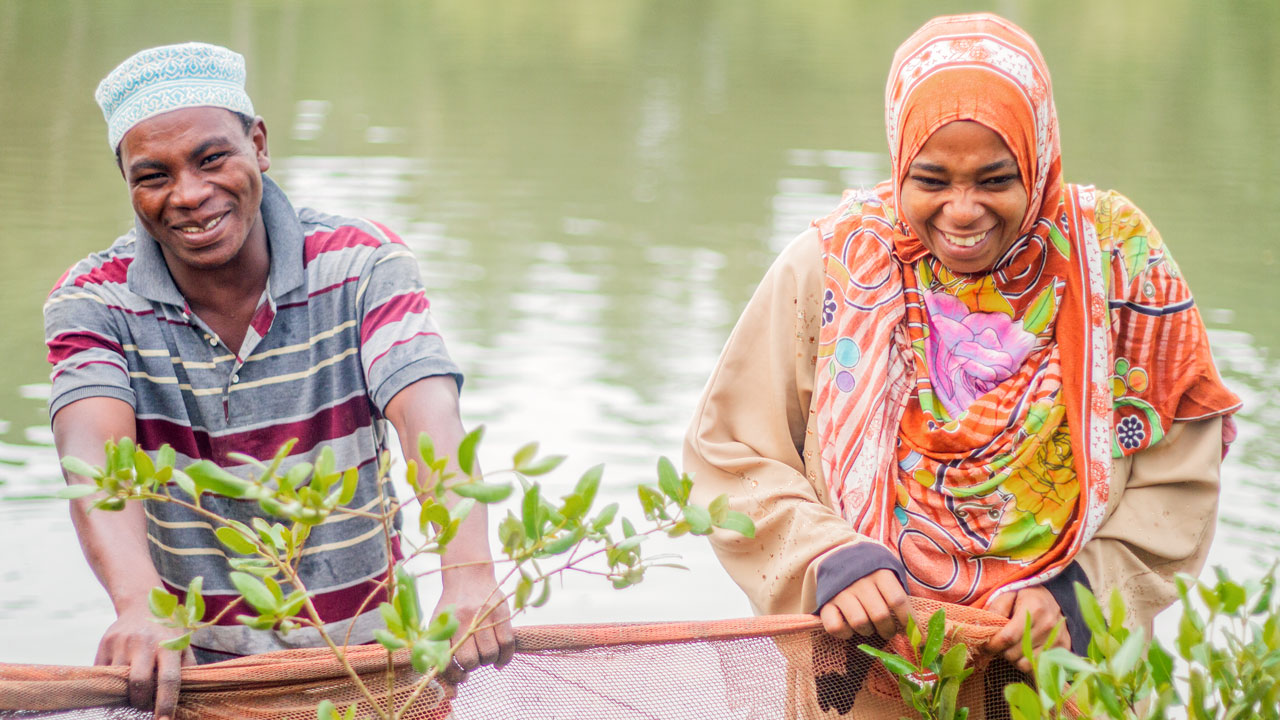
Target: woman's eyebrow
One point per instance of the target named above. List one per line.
(1007, 163)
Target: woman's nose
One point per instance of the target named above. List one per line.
(962, 207)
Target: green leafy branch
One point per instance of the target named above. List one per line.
(544, 539)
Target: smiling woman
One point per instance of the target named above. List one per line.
(929, 392)
(964, 197)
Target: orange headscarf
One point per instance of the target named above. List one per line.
(968, 421)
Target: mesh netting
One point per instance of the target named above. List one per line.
(765, 667)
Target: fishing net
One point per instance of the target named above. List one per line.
(764, 667)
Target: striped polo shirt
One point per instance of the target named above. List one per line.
(342, 326)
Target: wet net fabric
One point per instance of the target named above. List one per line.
(765, 667)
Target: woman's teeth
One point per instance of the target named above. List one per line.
(963, 240)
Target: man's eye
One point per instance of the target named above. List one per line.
(149, 179)
(214, 158)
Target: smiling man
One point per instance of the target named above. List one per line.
(227, 321)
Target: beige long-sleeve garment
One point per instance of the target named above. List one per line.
(753, 437)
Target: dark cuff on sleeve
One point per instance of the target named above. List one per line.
(1063, 588)
(846, 566)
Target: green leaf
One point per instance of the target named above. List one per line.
(1124, 660)
(1090, 610)
(430, 655)
(698, 518)
(195, 600)
(486, 493)
(719, 508)
(326, 711)
(605, 517)
(388, 641)
(630, 543)
(1189, 635)
(350, 481)
(162, 602)
(953, 661)
(529, 513)
(1161, 664)
(893, 663)
(524, 588)
(434, 513)
(143, 466)
(669, 480)
(562, 543)
(427, 449)
(651, 500)
(76, 466)
(589, 484)
(124, 453)
(166, 456)
(391, 618)
(442, 626)
(522, 456)
(467, 450)
(233, 539)
(1024, 703)
(177, 644)
(209, 476)
(739, 523)
(933, 638)
(543, 596)
(75, 491)
(255, 592)
(542, 466)
(1116, 608)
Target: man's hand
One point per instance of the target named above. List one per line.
(873, 605)
(154, 674)
(1045, 614)
(474, 592)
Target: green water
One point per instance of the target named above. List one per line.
(595, 187)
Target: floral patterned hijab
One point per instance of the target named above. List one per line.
(968, 422)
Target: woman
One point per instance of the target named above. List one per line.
(976, 383)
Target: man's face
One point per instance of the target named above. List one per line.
(195, 179)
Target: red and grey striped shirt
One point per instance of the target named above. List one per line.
(342, 327)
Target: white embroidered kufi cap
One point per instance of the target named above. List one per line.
(171, 77)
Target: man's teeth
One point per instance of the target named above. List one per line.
(207, 226)
(963, 240)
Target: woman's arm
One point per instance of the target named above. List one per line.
(1162, 524)
(750, 435)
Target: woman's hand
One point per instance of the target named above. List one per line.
(873, 605)
(1045, 614)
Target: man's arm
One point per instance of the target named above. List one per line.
(430, 405)
(115, 544)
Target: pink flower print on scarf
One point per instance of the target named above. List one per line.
(970, 353)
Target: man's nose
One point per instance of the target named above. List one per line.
(190, 190)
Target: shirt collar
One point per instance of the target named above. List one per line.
(149, 277)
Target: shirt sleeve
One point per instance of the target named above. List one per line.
(399, 342)
(748, 440)
(1162, 524)
(86, 347)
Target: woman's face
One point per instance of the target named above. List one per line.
(964, 197)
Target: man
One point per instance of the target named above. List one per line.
(226, 321)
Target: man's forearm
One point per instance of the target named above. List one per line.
(115, 545)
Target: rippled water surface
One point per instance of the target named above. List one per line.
(594, 189)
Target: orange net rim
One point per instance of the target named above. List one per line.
(61, 687)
